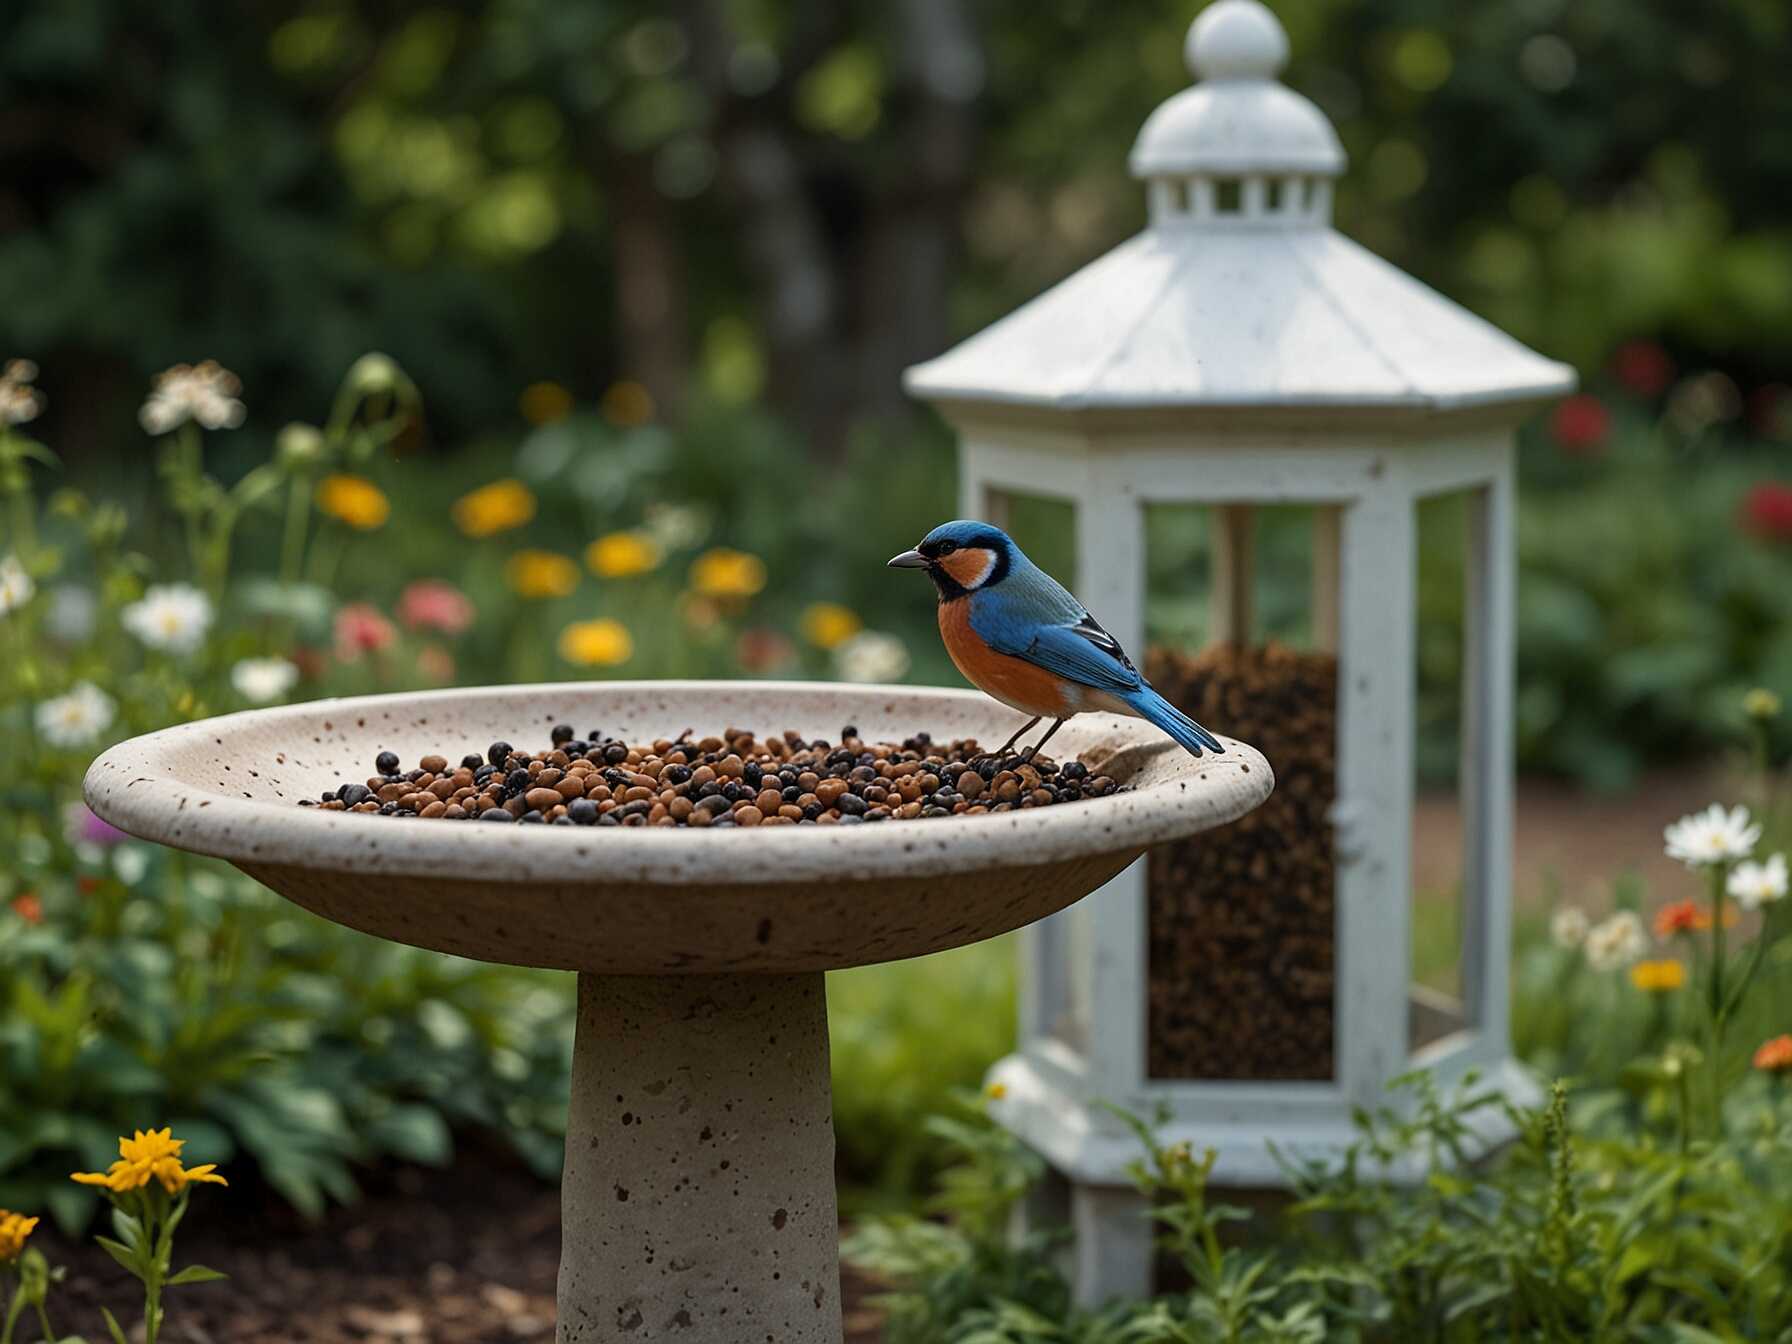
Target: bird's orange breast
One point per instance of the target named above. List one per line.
(1013, 681)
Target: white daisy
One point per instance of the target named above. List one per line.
(19, 401)
(1712, 836)
(675, 527)
(871, 655)
(1568, 926)
(263, 680)
(73, 613)
(1617, 941)
(1757, 884)
(16, 587)
(204, 392)
(75, 719)
(172, 617)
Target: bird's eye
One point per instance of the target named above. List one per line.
(947, 547)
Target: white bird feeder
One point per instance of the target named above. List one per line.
(1241, 353)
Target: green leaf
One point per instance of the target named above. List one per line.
(125, 1256)
(112, 1326)
(197, 1274)
(129, 1230)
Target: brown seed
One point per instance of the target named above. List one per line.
(636, 794)
(681, 808)
(548, 778)
(748, 815)
(829, 791)
(908, 811)
(442, 788)
(433, 764)
(571, 787)
(769, 801)
(792, 811)
(540, 800)
(435, 809)
(453, 812)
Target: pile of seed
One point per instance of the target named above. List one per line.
(1242, 959)
(732, 780)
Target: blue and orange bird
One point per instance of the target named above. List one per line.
(1020, 637)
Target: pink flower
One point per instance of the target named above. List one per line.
(1580, 425)
(1767, 511)
(1643, 367)
(435, 604)
(83, 827)
(761, 649)
(361, 628)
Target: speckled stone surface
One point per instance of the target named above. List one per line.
(652, 901)
(698, 1198)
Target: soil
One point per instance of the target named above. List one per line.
(462, 1256)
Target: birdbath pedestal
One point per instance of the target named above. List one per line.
(698, 1194)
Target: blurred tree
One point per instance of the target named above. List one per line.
(746, 198)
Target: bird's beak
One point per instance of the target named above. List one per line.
(909, 560)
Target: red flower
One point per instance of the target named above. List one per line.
(1580, 425)
(1680, 917)
(434, 604)
(1643, 367)
(28, 907)
(1775, 1056)
(1767, 511)
(360, 628)
(88, 885)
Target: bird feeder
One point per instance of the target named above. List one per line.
(1240, 355)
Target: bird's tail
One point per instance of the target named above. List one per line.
(1149, 705)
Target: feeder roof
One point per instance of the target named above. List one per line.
(1239, 293)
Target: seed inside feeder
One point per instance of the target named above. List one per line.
(734, 779)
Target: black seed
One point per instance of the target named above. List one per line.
(616, 753)
(517, 781)
(851, 805)
(472, 761)
(582, 810)
(386, 762)
(561, 821)
(353, 793)
(609, 819)
(752, 773)
(676, 774)
(498, 753)
(495, 814)
(532, 815)
(791, 793)
(562, 733)
(851, 730)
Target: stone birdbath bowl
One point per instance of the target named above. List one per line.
(698, 1195)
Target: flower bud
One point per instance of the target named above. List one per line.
(373, 373)
(299, 445)
(1761, 704)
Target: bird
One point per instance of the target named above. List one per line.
(1019, 636)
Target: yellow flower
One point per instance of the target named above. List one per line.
(627, 403)
(596, 643)
(545, 403)
(725, 573)
(996, 1091)
(494, 508)
(541, 574)
(1762, 704)
(354, 500)
(145, 1155)
(622, 554)
(14, 1228)
(828, 624)
(1658, 977)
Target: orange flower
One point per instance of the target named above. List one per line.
(146, 1154)
(1688, 917)
(28, 906)
(1775, 1056)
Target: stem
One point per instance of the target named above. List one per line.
(43, 1320)
(1719, 1007)
(12, 1315)
(292, 543)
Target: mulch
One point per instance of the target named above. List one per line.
(466, 1255)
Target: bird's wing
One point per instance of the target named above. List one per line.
(1078, 650)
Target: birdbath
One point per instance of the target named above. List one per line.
(698, 1193)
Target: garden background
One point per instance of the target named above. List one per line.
(642, 281)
